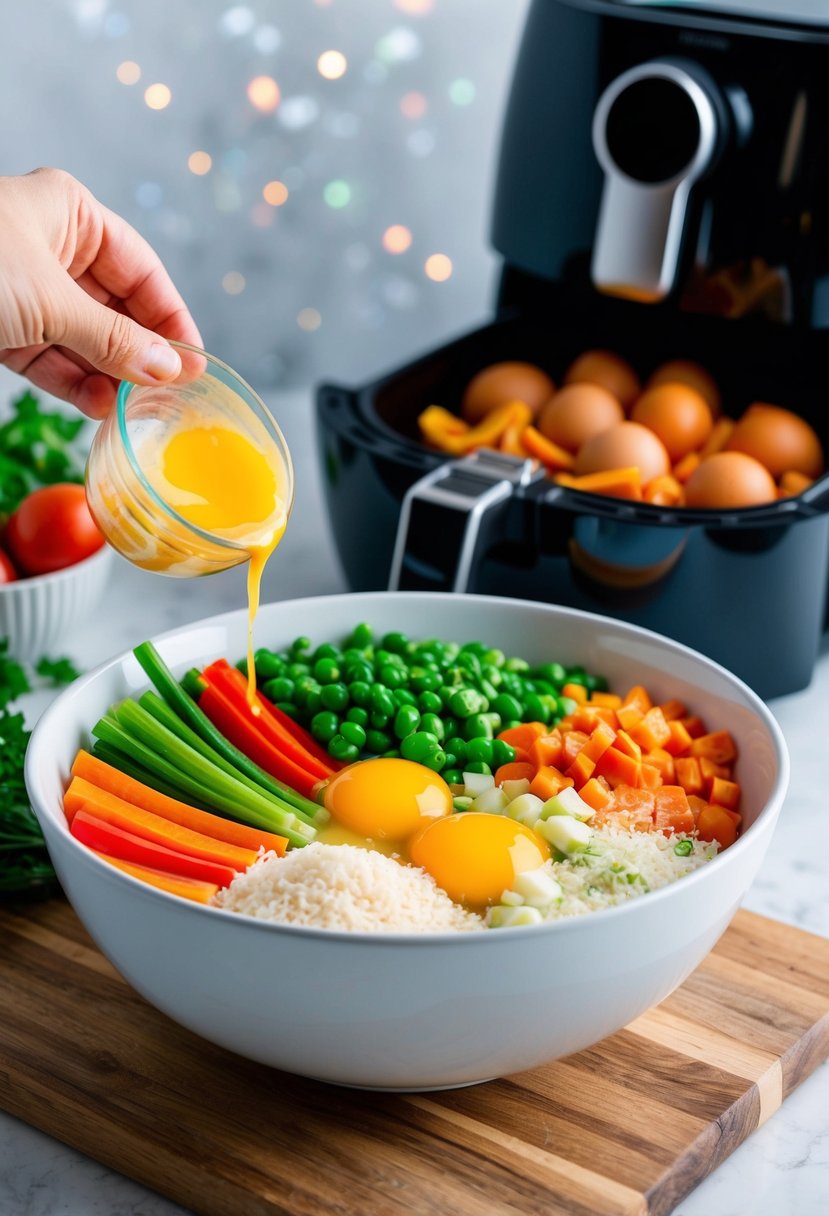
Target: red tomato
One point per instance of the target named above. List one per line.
(8, 574)
(51, 529)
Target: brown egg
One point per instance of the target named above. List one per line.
(729, 479)
(607, 370)
(779, 439)
(677, 414)
(623, 446)
(685, 371)
(502, 382)
(578, 412)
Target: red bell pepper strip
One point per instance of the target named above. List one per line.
(242, 731)
(232, 684)
(116, 842)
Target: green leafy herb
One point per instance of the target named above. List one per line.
(57, 671)
(13, 679)
(37, 448)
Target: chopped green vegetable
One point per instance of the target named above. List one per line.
(57, 671)
(13, 679)
(684, 848)
(37, 448)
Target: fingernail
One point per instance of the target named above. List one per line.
(163, 362)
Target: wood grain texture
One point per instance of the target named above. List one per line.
(626, 1128)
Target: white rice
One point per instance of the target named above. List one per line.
(622, 865)
(346, 888)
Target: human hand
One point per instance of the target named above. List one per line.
(84, 300)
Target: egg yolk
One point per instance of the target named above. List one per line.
(474, 856)
(386, 798)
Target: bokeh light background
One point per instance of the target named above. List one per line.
(316, 174)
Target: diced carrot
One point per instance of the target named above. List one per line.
(105, 777)
(696, 804)
(715, 823)
(683, 468)
(664, 761)
(619, 483)
(639, 697)
(596, 793)
(587, 717)
(601, 738)
(548, 782)
(573, 742)
(673, 709)
(680, 741)
(717, 746)
(581, 770)
(688, 774)
(618, 768)
(112, 809)
(671, 810)
(547, 749)
(516, 771)
(694, 726)
(607, 700)
(709, 771)
(634, 807)
(543, 449)
(576, 692)
(189, 888)
(627, 745)
(628, 716)
(653, 731)
(719, 437)
(724, 793)
(793, 483)
(664, 491)
(649, 776)
(736, 817)
(523, 736)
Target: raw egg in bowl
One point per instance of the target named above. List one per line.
(403, 1010)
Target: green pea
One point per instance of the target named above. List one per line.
(391, 754)
(488, 690)
(493, 674)
(287, 707)
(326, 671)
(381, 700)
(451, 760)
(406, 721)
(535, 710)
(435, 760)
(595, 683)
(358, 670)
(312, 702)
(299, 646)
(379, 721)
(357, 714)
(340, 748)
(396, 642)
(361, 636)
(429, 702)
(354, 733)
(480, 749)
(502, 753)
(510, 724)
(297, 671)
(392, 676)
(378, 740)
(402, 696)
(334, 696)
(452, 776)
(268, 665)
(457, 747)
(477, 766)
(566, 706)
(418, 745)
(432, 724)
(279, 689)
(325, 725)
(425, 680)
(554, 672)
(478, 727)
(470, 662)
(515, 665)
(326, 651)
(451, 726)
(360, 692)
(507, 706)
(465, 702)
(496, 658)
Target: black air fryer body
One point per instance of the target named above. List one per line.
(663, 191)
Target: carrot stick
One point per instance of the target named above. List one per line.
(104, 837)
(105, 777)
(152, 827)
(187, 888)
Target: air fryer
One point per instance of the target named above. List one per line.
(663, 191)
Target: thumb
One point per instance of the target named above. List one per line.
(111, 342)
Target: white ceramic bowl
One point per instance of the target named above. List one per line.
(406, 1011)
(38, 614)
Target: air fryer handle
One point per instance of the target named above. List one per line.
(452, 516)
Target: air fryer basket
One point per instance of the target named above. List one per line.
(746, 587)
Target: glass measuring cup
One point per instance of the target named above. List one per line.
(124, 482)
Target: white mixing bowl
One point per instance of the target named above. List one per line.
(406, 1011)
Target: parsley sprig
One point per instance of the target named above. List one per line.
(37, 448)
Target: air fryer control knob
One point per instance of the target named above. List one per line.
(657, 128)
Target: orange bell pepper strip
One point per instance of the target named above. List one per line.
(683, 469)
(719, 437)
(441, 428)
(188, 888)
(619, 483)
(664, 491)
(551, 455)
(487, 433)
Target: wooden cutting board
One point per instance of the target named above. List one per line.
(626, 1128)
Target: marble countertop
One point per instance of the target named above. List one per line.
(782, 1170)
